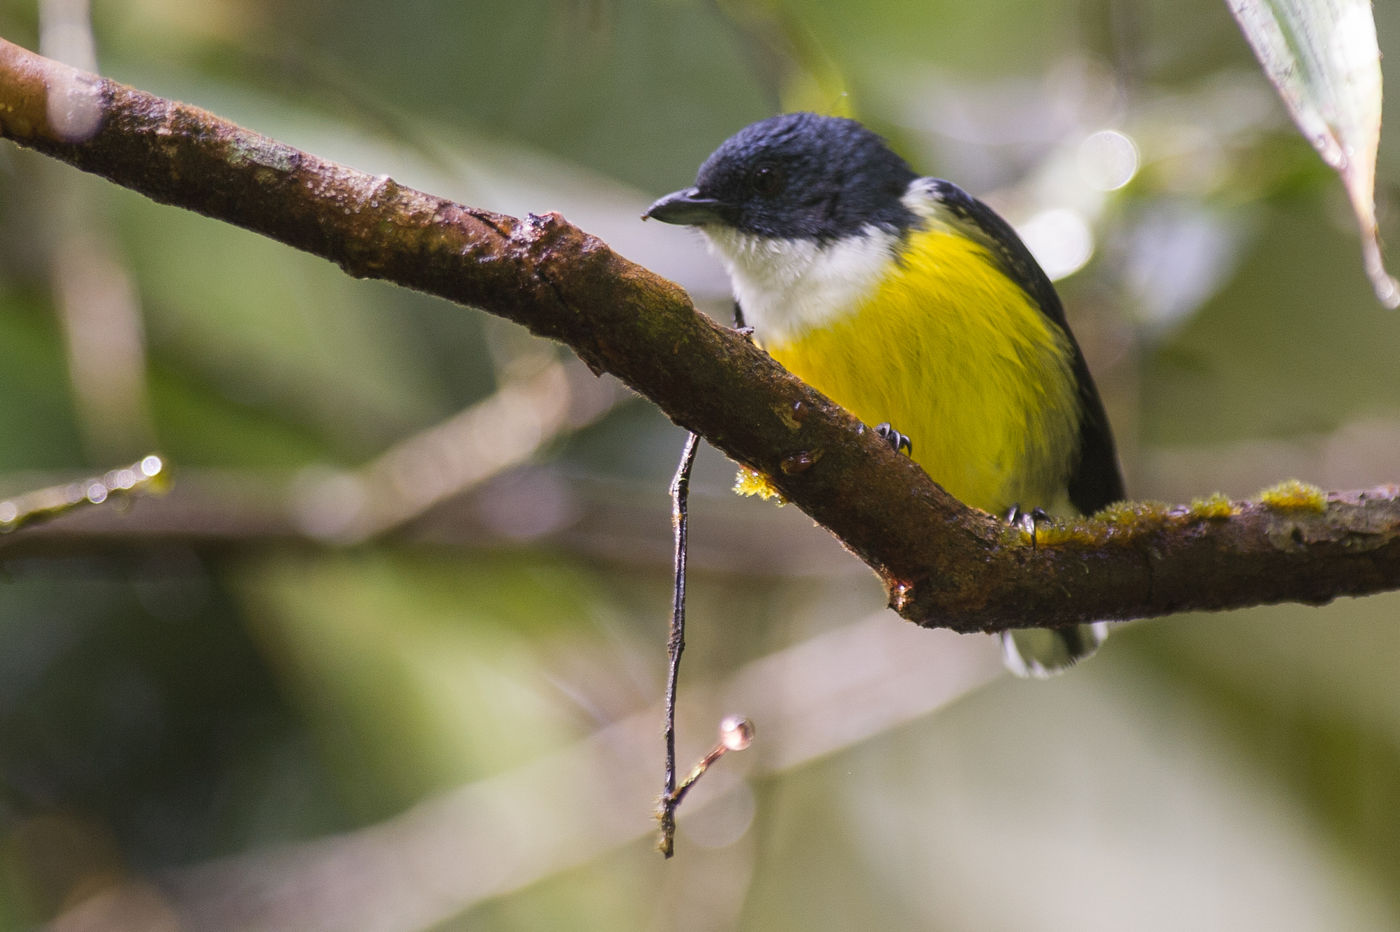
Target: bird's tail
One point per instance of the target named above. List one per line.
(1042, 652)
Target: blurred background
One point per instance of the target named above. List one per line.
(390, 653)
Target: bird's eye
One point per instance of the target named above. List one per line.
(767, 180)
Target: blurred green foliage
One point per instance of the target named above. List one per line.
(234, 685)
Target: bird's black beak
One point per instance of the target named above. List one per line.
(688, 208)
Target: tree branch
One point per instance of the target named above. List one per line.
(942, 564)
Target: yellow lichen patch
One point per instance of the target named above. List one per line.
(1294, 495)
(1123, 522)
(1131, 515)
(752, 482)
(1051, 533)
(1213, 507)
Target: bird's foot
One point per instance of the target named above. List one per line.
(1027, 520)
(897, 441)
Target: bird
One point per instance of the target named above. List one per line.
(916, 307)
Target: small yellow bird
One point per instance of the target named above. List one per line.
(913, 305)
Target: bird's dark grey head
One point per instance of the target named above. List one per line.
(796, 176)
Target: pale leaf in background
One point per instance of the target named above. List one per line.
(1323, 58)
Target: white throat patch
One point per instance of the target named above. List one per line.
(787, 287)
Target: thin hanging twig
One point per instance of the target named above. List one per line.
(680, 495)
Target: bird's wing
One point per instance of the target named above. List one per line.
(1096, 480)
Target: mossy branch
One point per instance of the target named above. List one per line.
(943, 564)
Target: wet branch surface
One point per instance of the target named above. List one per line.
(942, 564)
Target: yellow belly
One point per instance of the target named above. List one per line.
(956, 356)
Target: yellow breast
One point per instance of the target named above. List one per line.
(959, 358)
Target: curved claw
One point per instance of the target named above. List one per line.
(1027, 520)
(895, 439)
